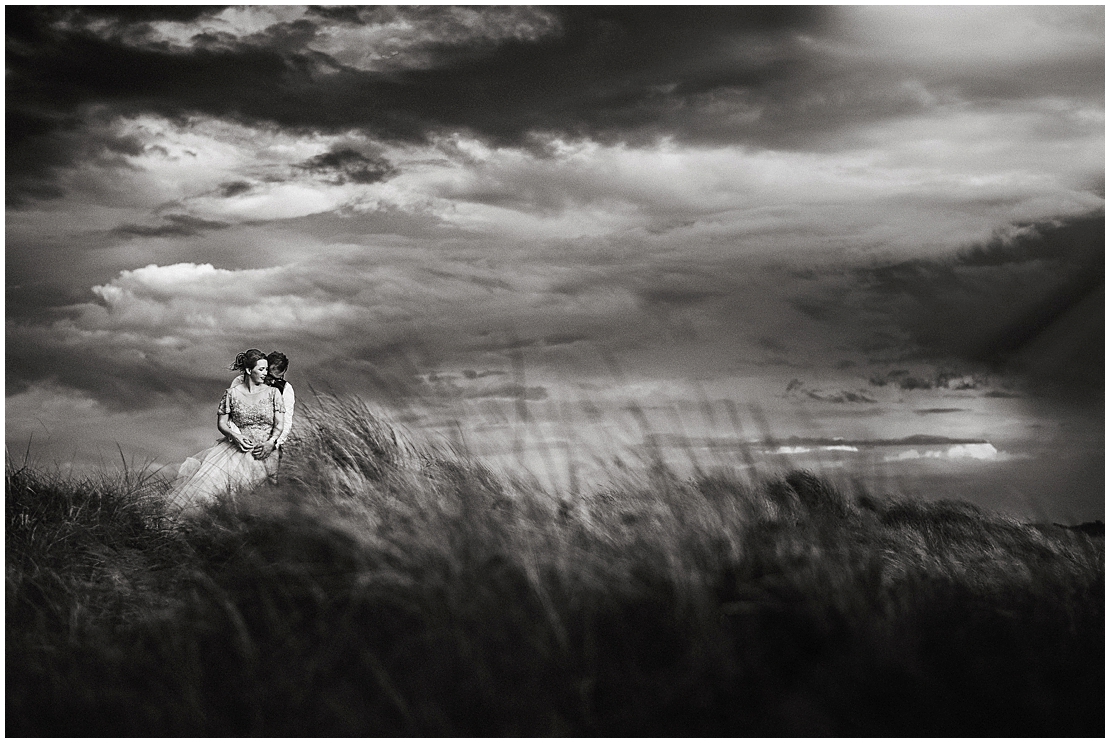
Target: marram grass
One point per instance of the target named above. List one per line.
(385, 588)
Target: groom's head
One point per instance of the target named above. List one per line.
(278, 363)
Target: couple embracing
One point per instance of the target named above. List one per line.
(255, 417)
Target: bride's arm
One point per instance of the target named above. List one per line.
(227, 427)
(239, 380)
(232, 432)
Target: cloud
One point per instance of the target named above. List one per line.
(196, 316)
(797, 389)
(41, 146)
(367, 38)
(143, 160)
(1028, 302)
(510, 391)
(982, 451)
(995, 40)
(348, 165)
(719, 193)
(923, 446)
(394, 38)
(770, 202)
(120, 371)
(781, 78)
(941, 379)
(50, 417)
(574, 168)
(175, 225)
(468, 76)
(168, 331)
(234, 188)
(807, 449)
(472, 374)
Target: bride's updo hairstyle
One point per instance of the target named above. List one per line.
(245, 361)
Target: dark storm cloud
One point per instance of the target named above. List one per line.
(351, 14)
(941, 379)
(1032, 304)
(345, 165)
(609, 72)
(30, 25)
(175, 225)
(788, 77)
(993, 302)
(564, 339)
(472, 374)
(234, 188)
(110, 372)
(138, 14)
(39, 143)
(797, 388)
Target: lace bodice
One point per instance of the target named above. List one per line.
(254, 414)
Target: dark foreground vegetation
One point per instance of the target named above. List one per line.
(386, 590)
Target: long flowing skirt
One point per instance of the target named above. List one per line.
(202, 478)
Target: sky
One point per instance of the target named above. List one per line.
(862, 240)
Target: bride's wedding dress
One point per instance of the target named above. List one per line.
(223, 467)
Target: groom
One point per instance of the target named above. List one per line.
(275, 377)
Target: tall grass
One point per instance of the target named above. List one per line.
(389, 587)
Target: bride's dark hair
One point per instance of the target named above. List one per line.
(245, 361)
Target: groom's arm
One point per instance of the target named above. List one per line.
(287, 424)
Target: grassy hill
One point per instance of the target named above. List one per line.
(387, 589)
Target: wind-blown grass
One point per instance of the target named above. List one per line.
(386, 587)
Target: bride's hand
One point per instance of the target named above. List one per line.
(245, 444)
(263, 450)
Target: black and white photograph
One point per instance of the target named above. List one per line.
(565, 371)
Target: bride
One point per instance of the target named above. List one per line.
(243, 458)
